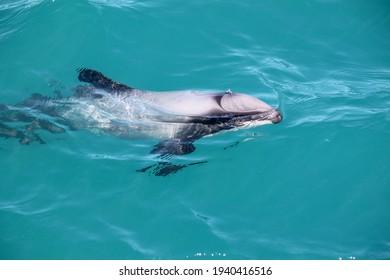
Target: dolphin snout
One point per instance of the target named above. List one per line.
(276, 117)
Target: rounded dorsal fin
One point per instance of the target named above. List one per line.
(98, 80)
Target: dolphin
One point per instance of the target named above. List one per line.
(176, 118)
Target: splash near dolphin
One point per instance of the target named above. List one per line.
(176, 118)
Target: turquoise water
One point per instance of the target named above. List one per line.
(316, 186)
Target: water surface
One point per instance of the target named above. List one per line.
(315, 186)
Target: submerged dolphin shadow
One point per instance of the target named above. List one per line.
(177, 118)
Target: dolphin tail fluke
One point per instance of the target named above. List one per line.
(8, 132)
(17, 121)
(98, 80)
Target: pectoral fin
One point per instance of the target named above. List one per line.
(174, 147)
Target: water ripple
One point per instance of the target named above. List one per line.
(15, 16)
(120, 4)
(128, 237)
(211, 222)
(25, 4)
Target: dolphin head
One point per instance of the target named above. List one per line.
(248, 110)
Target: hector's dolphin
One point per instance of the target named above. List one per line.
(176, 118)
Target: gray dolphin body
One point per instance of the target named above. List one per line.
(177, 118)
